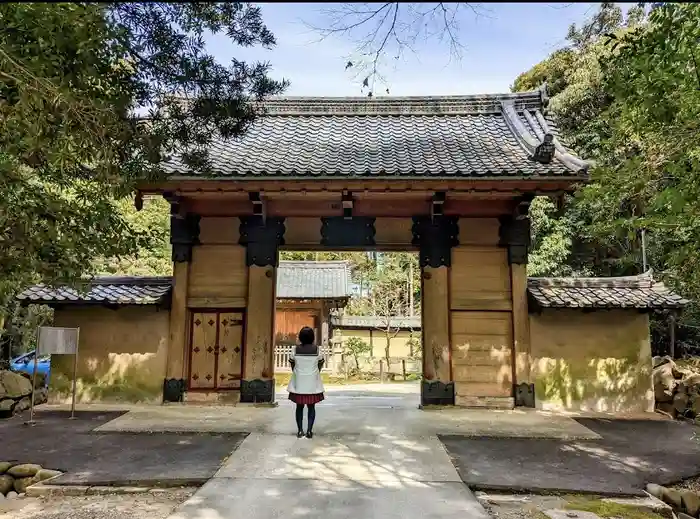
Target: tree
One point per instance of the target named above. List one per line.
(628, 98)
(95, 97)
(390, 29)
(390, 298)
(356, 347)
(152, 222)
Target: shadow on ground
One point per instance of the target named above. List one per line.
(87, 458)
(630, 454)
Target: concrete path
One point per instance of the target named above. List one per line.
(388, 410)
(379, 472)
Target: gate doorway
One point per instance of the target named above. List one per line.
(216, 350)
(365, 309)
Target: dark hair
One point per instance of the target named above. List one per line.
(306, 335)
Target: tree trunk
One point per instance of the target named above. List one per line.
(386, 349)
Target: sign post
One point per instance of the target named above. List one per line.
(60, 341)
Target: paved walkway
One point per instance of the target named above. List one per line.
(388, 410)
(372, 470)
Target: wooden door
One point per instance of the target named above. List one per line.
(216, 350)
(288, 322)
(230, 351)
(203, 350)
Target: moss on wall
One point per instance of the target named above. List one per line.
(597, 361)
(121, 356)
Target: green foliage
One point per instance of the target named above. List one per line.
(551, 240)
(153, 222)
(356, 347)
(75, 82)
(415, 345)
(648, 174)
(627, 95)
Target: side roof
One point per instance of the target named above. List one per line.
(122, 290)
(640, 292)
(295, 280)
(475, 136)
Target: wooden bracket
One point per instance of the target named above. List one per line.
(347, 205)
(522, 207)
(437, 207)
(258, 205)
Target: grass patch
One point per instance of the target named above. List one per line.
(608, 509)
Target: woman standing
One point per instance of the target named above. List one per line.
(305, 387)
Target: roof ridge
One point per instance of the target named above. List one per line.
(404, 105)
(644, 280)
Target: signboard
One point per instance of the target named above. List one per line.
(60, 341)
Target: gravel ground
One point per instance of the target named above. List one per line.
(157, 505)
(533, 506)
(689, 484)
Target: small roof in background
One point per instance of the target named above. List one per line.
(313, 280)
(123, 290)
(295, 280)
(370, 321)
(488, 136)
(640, 292)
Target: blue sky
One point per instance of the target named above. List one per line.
(500, 44)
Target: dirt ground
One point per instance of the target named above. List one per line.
(154, 505)
(531, 506)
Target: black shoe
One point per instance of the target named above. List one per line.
(300, 434)
(309, 435)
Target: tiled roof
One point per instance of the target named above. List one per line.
(370, 321)
(313, 280)
(617, 292)
(478, 136)
(295, 280)
(104, 290)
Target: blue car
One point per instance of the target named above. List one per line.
(25, 364)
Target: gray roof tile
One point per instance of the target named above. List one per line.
(103, 290)
(313, 280)
(450, 136)
(639, 292)
(295, 280)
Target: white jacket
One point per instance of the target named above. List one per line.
(306, 377)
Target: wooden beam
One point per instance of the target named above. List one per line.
(539, 186)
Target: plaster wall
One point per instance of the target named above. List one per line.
(121, 355)
(596, 361)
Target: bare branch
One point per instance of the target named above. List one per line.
(391, 29)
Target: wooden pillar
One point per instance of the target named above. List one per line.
(515, 235)
(435, 236)
(436, 325)
(259, 330)
(262, 238)
(521, 324)
(184, 234)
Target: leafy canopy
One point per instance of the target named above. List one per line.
(93, 98)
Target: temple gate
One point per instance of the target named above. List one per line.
(449, 177)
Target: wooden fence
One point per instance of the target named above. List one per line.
(284, 351)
